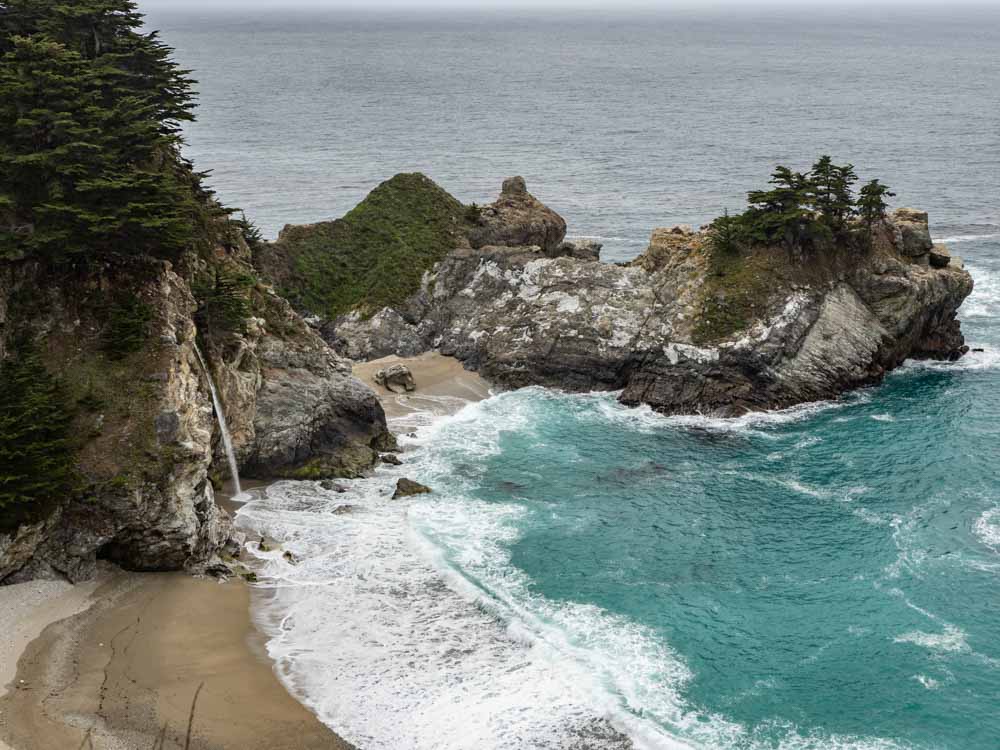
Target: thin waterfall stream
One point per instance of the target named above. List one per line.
(221, 416)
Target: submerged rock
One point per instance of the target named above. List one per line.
(407, 488)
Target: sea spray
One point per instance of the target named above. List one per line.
(223, 427)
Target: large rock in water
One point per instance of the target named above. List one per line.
(680, 328)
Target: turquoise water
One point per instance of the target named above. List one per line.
(827, 577)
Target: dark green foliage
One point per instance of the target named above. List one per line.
(90, 112)
(127, 329)
(473, 213)
(223, 299)
(802, 211)
(36, 460)
(785, 212)
(727, 235)
(249, 231)
(373, 257)
(872, 204)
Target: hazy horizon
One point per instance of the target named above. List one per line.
(548, 5)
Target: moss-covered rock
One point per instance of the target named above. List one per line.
(374, 256)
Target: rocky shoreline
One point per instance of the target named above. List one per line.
(677, 328)
(680, 328)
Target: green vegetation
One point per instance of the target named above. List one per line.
(737, 291)
(36, 458)
(803, 211)
(814, 214)
(223, 296)
(127, 329)
(90, 117)
(373, 257)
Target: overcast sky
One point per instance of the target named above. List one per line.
(524, 4)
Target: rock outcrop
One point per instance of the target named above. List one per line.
(146, 440)
(409, 488)
(681, 328)
(146, 502)
(518, 218)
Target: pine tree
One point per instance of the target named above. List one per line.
(872, 205)
(833, 195)
(90, 115)
(783, 213)
(36, 462)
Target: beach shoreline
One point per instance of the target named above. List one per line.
(127, 670)
(444, 386)
(120, 658)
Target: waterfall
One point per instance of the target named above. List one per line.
(221, 415)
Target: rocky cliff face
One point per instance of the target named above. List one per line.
(681, 328)
(146, 439)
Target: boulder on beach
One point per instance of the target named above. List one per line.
(396, 378)
(408, 488)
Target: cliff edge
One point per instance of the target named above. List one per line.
(685, 327)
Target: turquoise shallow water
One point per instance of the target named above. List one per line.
(821, 577)
(827, 577)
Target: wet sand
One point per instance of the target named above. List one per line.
(126, 672)
(443, 387)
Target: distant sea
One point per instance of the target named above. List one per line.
(823, 577)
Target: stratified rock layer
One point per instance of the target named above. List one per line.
(680, 328)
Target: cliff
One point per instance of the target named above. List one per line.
(121, 338)
(684, 328)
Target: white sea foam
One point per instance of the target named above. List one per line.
(952, 639)
(404, 624)
(984, 302)
(958, 238)
(987, 528)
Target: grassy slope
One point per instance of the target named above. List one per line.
(741, 289)
(373, 257)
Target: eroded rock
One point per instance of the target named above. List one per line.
(396, 378)
(517, 218)
(408, 488)
(671, 330)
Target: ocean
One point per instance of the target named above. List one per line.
(587, 575)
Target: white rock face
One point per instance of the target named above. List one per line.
(521, 317)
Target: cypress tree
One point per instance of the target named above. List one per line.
(872, 205)
(36, 462)
(90, 115)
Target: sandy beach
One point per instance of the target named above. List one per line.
(122, 661)
(125, 672)
(443, 386)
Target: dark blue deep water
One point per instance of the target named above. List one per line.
(826, 577)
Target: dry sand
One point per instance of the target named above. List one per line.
(133, 663)
(443, 387)
(110, 664)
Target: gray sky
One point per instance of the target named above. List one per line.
(526, 4)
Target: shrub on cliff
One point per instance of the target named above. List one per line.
(36, 460)
(90, 116)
